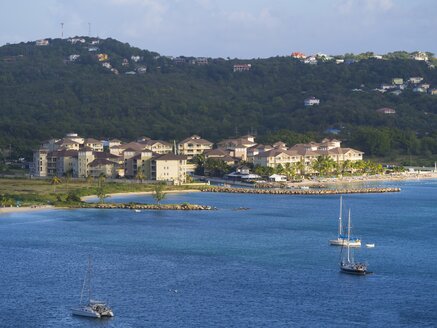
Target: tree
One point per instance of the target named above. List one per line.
(68, 176)
(140, 175)
(101, 188)
(101, 194)
(6, 201)
(290, 170)
(89, 180)
(199, 160)
(158, 193)
(54, 182)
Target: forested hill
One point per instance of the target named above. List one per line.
(44, 92)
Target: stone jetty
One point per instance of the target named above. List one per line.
(301, 191)
(174, 207)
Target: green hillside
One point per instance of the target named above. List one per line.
(43, 94)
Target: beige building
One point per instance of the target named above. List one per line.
(193, 146)
(103, 166)
(238, 147)
(40, 162)
(94, 144)
(169, 167)
(307, 154)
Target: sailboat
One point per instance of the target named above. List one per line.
(91, 308)
(341, 239)
(348, 265)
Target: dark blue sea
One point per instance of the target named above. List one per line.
(268, 266)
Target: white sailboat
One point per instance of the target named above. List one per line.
(91, 308)
(348, 265)
(341, 239)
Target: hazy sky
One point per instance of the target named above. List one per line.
(231, 28)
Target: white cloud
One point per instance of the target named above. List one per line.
(354, 6)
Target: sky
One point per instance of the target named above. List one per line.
(231, 28)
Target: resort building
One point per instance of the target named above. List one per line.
(169, 167)
(193, 146)
(306, 154)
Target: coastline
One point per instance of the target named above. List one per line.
(35, 208)
(138, 193)
(365, 179)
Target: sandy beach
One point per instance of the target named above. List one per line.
(26, 208)
(85, 198)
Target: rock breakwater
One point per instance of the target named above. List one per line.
(174, 207)
(301, 191)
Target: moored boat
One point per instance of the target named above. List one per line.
(92, 308)
(348, 264)
(341, 239)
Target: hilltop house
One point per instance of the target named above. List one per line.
(42, 42)
(415, 80)
(386, 110)
(422, 56)
(102, 57)
(242, 67)
(298, 55)
(311, 101)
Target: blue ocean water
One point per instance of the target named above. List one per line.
(269, 266)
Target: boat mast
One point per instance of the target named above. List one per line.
(85, 280)
(90, 264)
(340, 228)
(348, 235)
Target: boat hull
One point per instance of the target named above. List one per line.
(354, 268)
(85, 313)
(344, 242)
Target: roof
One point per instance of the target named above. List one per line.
(216, 152)
(66, 141)
(273, 153)
(196, 139)
(133, 145)
(101, 154)
(86, 149)
(153, 142)
(92, 140)
(101, 161)
(67, 153)
(170, 157)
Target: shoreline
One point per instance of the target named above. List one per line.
(366, 179)
(139, 193)
(4, 210)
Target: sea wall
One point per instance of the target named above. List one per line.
(301, 191)
(175, 207)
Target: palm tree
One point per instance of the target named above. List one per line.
(158, 193)
(279, 169)
(68, 176)
(300, 166)
(89, 180)
(323, 165)
(55, 181)
(345, 166)
(200, 161)
(140, 175)
(101, 180)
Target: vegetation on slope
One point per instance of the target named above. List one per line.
(43, 95)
